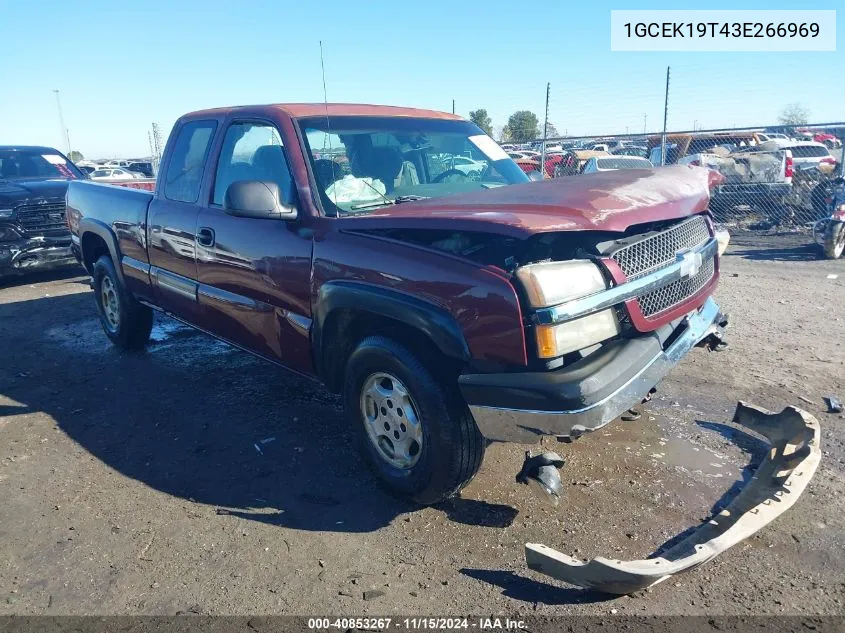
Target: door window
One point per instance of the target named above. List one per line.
(252, 151)
(187, 161)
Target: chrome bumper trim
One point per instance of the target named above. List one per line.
(174, 283)
(526, 426)
(629, 290)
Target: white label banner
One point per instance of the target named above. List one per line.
(723, 30)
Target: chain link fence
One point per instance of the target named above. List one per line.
(774, 177)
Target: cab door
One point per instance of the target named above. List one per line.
(172, 221)
(254, 274)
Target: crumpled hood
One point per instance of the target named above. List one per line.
(14, 192)
(606, 201)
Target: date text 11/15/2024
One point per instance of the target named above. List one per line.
(415, 623)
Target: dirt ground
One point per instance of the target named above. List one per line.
(194, 478)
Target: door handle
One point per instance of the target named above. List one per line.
(205, 237)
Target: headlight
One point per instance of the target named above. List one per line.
(6, 213)
(551, 283)
(557, 340)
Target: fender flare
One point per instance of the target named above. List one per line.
(102, 230)
(430, 319)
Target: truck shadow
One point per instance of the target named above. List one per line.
(194, 418)
(22, 279)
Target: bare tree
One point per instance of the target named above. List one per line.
(794, 114)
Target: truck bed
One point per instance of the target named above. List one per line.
(123, 210)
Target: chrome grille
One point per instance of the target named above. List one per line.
(42, 219)
(675, 292)
(660, 250)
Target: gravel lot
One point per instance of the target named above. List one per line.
(194, 478)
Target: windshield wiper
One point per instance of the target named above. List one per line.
(388, 201)
(374, 203)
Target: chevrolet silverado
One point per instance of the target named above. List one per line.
(450, 308)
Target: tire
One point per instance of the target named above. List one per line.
(450, 447)
(126, 322)
(834, 240)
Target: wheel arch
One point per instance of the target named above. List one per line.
(347, 312)
(94, 237)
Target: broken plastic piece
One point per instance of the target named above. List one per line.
(834, 405)
(540, 473)
(794, 437)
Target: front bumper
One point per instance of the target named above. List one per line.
(794, 453)
(35, 253)
(521, 407)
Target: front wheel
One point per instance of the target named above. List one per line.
(414, 430)
(125, 321)
(834, 240)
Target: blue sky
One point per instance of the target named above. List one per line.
(121, 66)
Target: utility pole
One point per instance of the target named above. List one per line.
(156, 145)
(645, 120)
(545, 133)
(62, 122)
(665, 117)
(453, 106)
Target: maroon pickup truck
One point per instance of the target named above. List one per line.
(451, 302)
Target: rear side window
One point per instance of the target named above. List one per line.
(808, 151)
(252, 151)
(187, 161)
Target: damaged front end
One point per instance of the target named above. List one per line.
(794, 453)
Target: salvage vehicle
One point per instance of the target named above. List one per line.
(33, 227)
(33, 232)
(445, 309)
(753, 176)
(449, 312)
(829, 232)
(574, 161)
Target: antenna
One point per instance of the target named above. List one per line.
(325, 94)
(328, 122)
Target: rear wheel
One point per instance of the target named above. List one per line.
(414, 430)
(125, 321)
(834, 240)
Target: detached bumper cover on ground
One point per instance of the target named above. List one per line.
(793, 457)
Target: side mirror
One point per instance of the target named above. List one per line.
(535, 175)
(257, 199)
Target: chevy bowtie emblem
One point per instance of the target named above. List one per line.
(690, 262)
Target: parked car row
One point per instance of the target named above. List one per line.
(124, 168)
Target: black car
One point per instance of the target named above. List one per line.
(142, 167)
(33, 229)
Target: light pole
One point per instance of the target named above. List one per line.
(62, 121)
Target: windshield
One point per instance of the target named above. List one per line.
(363, 163)
(19, 164)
